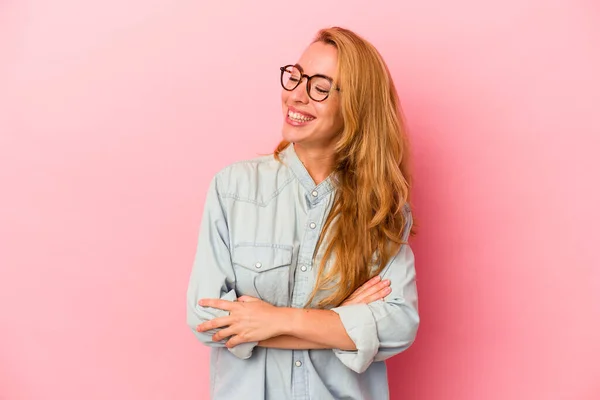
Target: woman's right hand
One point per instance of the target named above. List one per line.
(374, 289)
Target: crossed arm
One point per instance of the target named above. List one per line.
(253, 320)
(360, 331)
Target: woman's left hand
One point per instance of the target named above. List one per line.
(249, 320)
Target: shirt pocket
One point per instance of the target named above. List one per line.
(263, 271)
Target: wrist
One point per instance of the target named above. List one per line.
(287, 320)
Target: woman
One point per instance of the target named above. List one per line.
(303, 282)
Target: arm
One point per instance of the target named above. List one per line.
(383, 329)
(378, 328)
(359, 333)
(254, 320)
(212, 273)
(322, 328)
(373, 290)
(290, 343)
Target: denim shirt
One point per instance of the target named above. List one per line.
(261, 222)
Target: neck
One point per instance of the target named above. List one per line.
(318, 162)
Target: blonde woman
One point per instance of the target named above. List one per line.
(303, 282)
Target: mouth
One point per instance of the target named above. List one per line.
(295, 117)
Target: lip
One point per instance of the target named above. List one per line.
(290, 108)
(295, 123)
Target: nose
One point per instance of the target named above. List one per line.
(300, 93)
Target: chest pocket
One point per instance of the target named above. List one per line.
(263, 271)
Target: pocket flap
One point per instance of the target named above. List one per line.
(260, 258)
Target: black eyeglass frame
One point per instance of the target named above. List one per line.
(308, 80)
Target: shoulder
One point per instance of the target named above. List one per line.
(249, 170)
(255, 180)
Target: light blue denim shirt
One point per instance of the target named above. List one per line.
(261, 222)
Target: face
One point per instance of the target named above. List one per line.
(307, 123)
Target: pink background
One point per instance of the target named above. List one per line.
(115, 114)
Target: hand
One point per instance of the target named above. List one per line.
(249, 320)
(374, 289)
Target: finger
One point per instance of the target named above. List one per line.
(223, 334)
(380, 295)
(381, 286)
(368, 288)
(373, 294)
(247, 299)
(214, 324)
(364, 299)
(217, 303)
(234, 341)
(373, 281)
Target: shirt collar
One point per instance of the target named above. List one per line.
(314, 192)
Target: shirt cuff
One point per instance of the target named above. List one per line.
(360, 325)
(244, 350)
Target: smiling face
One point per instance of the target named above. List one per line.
(308, 123)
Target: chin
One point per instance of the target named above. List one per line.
(291, 135)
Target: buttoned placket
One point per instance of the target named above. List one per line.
(303, 284)
(303, 273)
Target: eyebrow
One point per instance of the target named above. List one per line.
(302, 72)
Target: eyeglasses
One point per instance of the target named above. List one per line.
(318, 86)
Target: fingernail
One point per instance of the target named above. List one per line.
(387, 282)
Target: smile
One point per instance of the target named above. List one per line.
(297, 117)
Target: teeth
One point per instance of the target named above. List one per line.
(299, 117)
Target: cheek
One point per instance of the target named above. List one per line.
(284, 96)
(331, 115)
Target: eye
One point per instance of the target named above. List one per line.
(321, 90)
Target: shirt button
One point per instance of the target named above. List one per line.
(298, 363)
(315, 193)
(313, 225)
(303, 268)
(258, 265)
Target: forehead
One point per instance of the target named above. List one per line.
(319, 58)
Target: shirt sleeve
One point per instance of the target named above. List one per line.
(387, 327)
(212, 275)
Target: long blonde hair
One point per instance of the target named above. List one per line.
(367, 220)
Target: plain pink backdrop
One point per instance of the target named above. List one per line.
(114, 115)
